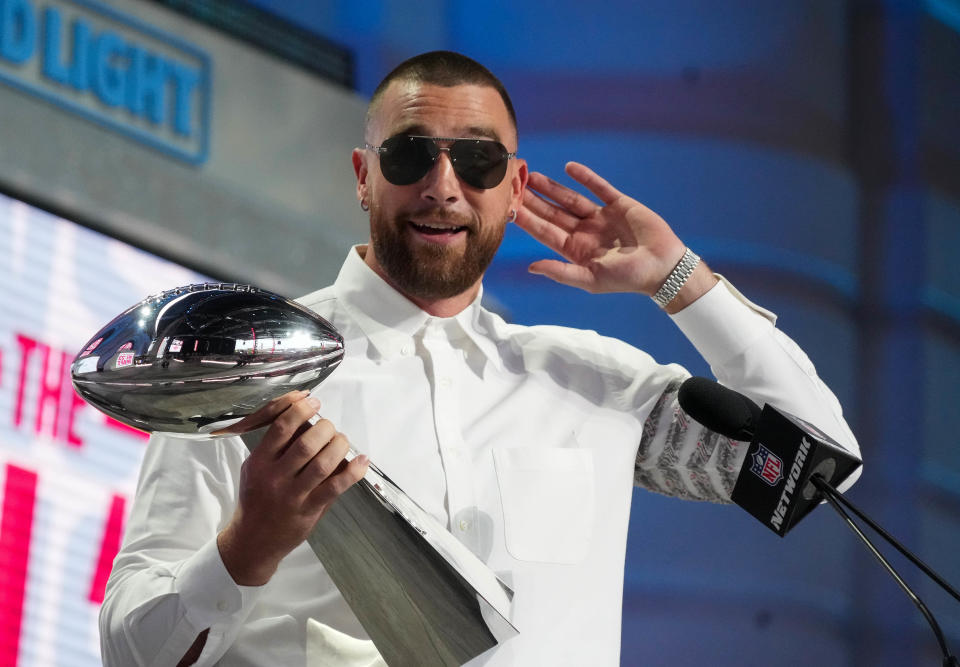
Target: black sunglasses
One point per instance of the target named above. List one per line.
(405, 159)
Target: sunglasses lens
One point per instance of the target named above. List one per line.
(481, 163)
(406, 160)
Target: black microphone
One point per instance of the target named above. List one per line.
(792, 465)
(785, 452)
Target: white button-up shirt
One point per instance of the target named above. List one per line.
(524, 441)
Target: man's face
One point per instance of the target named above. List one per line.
(434, 238)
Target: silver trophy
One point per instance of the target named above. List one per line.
(199, 358)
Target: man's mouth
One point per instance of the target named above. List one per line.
(437, 229)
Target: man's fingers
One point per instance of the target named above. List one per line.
(593, 182)
(346, 475)
(571, 201)
(306, 445)
(546, 233)
(264, 415)
(549, 212)
(322, 465)
(573, 275)
(285, 427)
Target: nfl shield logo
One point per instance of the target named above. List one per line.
(767, 466)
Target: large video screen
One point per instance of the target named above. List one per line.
(67, 472)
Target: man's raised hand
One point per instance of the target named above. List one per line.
(619, 246)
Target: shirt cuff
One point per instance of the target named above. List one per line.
(208, 592)
(723, 323)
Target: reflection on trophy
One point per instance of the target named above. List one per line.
(199, 358)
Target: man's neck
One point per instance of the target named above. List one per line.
(448, 307)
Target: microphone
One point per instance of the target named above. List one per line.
(791, 465)
(774, 484)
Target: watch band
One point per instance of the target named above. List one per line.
(677, 278)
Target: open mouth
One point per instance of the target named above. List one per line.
(431, 229)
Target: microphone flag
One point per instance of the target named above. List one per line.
(774, 481)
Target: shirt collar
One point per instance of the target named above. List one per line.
(389, 320)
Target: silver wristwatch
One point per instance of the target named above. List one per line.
(675, 281)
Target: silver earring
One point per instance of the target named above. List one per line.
(364, 205)
(513, 215)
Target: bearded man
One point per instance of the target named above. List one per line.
(525, 442)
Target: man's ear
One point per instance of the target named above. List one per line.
(518, 183)
(360, 170)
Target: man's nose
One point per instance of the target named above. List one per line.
(441, 184)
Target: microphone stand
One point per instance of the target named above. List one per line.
(836, 499)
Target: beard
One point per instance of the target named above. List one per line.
(432, 271)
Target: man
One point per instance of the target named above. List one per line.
(524, 442)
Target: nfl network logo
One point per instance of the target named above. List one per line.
(767, 465)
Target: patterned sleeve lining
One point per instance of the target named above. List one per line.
(679, 457)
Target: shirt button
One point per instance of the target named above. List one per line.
(445, 382)
(406, 350)
(464, 524)
(222, 605)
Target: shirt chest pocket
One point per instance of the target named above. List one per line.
(548, 502)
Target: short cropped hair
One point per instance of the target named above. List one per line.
(441, 68)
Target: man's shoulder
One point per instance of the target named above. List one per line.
(320, 300)
(546, 334)
(552, 338)
(606, 370)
